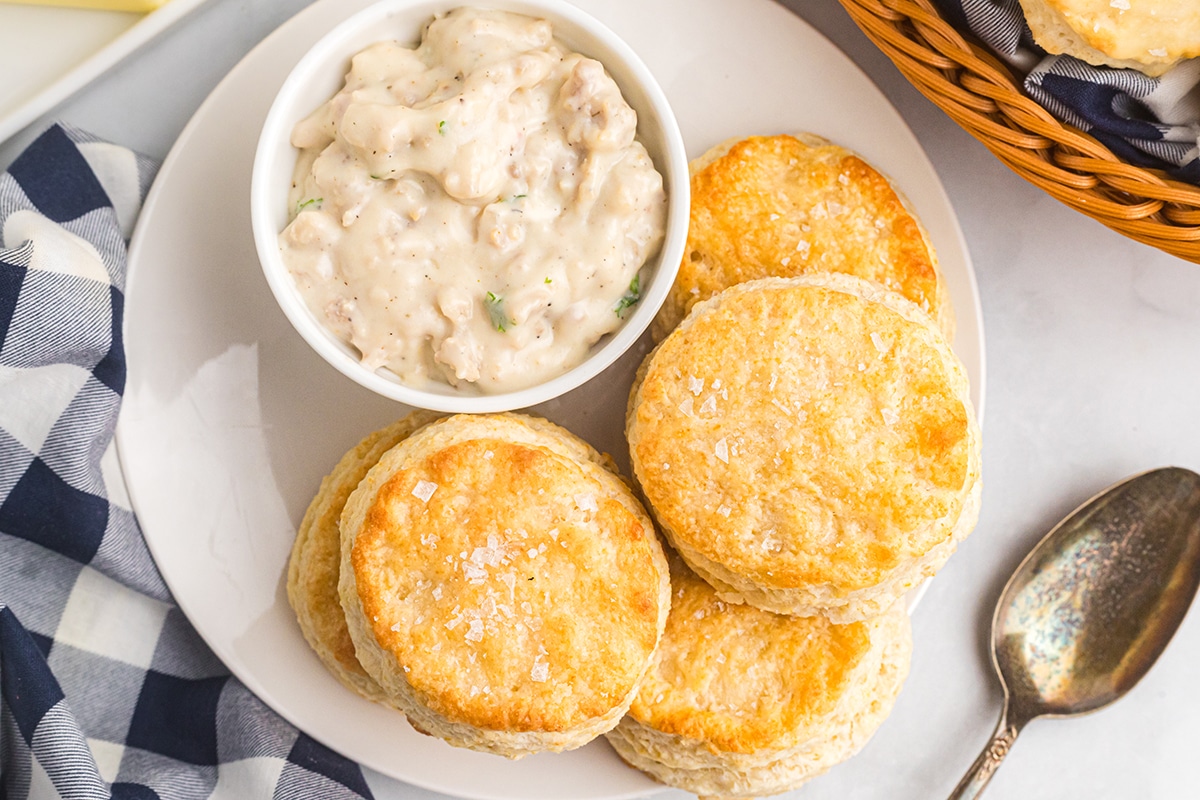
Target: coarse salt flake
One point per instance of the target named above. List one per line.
(475, 631)
(1123, 5)
(586, 502)
(785, 260)
(424, 490)
(773, 217)
(695, 385)
(724, 510)
(540, 672)
(722, 450)
(686, 406)
(1158, 52)
(889, 416)
(877, 340)
(710, 405)
(437, 593)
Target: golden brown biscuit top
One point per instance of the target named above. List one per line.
(797, 433)
(519, 589)
(774, 206)
(1150, 31)
(742, 679)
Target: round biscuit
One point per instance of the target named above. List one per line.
(504, 587)
(744, 702)
(1151, 36)
(808, 445)
(787, 205)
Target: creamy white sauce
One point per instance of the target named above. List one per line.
(474, 211)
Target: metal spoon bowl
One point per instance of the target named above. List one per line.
(1091, 608)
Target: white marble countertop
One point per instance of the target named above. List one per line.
(1093, 373)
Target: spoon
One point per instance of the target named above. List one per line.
(1092, 607)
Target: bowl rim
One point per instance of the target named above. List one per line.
(273, 144)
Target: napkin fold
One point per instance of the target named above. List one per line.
(1148, 122)
(106, 691)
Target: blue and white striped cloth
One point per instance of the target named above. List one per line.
(105, 689)
(1149, 122)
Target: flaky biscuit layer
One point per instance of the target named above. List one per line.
(312, 581)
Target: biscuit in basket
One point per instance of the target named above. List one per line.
(808, 445)
(779, 206)
(744, 702)
(312, 581)
(1151, 36)
(504, 588)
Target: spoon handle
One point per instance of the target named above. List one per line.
(976, 780)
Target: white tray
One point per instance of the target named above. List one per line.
(47, 53)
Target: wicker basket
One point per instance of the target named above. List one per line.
(979, 92)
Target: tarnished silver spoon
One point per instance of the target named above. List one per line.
(1092, 607)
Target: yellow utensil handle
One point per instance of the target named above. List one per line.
(108, 5)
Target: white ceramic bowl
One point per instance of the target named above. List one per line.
(320, 74)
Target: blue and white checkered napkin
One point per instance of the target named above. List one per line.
(105, 689)
(1149, 122)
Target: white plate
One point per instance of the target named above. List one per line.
(230, 420)
(47, 53)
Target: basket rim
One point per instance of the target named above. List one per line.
(976, 89)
